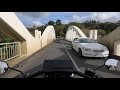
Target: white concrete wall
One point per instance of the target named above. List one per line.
(112, 41)
(74, 32)
(117, 47)
(48, 35)
(93, 34)
(11, 19)
(12, 26)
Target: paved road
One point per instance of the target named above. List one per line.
(61, 51)
(84, 62)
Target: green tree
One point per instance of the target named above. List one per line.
(60, 29)
(34, 26)
(31, 30)
(118, 23)
(58, 22)
(5, 39)
(79, 25)
(42, 28)
(101, 33)
(51, 23)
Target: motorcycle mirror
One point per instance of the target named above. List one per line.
(112, 64)
(3, 67)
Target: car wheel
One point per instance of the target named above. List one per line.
(80, 52)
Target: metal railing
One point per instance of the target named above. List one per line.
(9, 50)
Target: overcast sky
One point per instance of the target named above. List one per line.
(40, 18)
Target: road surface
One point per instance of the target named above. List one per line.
(61, 51)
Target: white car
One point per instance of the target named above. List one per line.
(89, 48)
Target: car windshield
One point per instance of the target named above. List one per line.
(87, 41)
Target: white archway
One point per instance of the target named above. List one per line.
(48, 35)
(74, 32)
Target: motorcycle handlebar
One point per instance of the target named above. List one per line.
(35, 74)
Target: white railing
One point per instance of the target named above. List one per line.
(9, 50)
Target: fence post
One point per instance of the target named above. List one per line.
(6, 52)
(1, 53)
(13, 49)
(10, 50)
(19, 48)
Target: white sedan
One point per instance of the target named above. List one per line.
(89, 48)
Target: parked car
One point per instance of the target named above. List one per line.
(89, 48)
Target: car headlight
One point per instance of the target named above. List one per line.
(86, 49)
(106, 49)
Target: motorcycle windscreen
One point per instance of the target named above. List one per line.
(58, 64)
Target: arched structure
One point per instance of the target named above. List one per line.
(48, 35)
(73, 32)
(13, 27)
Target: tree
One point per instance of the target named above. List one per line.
(118, 23)
(101, 32)
(60, 29)
(32, 30)
(51, 23)
(79, 25)
(58, 22)
(34, 26)
(5, 39)
(42, 28)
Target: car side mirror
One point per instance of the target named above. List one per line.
(112, 64)
(76, 41)
(3, 67)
